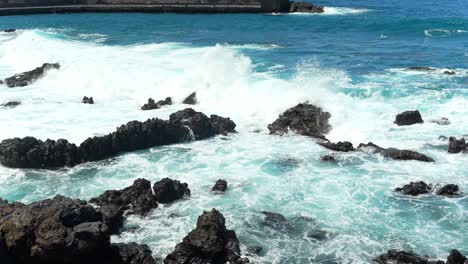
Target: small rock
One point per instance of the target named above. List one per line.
(449, 72)
(414, 188)
(191, 99)
(408, 118)
(317, 234)
(340, 146)
(457, 145)
(328, 158)
(153, 105)
(393, 153)
(254, 250)
(11, 104)
(9, 30)
(168, 190)
(448, 190)
(273, 217)
(421, 68)
(442, 122)
(87, 100)
(304, 7)
(220, 186)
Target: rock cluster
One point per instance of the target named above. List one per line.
(420, 187)
(304, 119)
(408, 118)
(182, 126)
(457, 145)
(26, 78)
(402, 257)
(393, 153)
(87, 100)
(209, 242)
(304, 7)
(151, 105)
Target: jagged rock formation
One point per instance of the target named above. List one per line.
(393, 153)
(26, 78)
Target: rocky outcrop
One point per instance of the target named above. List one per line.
(151, 105)
(408, 118)
(449, 72)
(11, 104)
(457, 145)
(393, 153)
(135, 199)
(304, 119)
(449, 190)
(168, 190)
(402, 257)
(9, 30)
(220, 186)
(60, 231)
(87, 100)
(184, 125)
(421, 68)
(304, 7)
(26, 78)
(209, 242)
(134, 253)
(344, 146)
(414, 188)
(191, 99)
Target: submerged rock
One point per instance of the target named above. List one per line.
(254, 250)
(402, 257)
(184, 125)
(87, 100)
(340, 146)
(274, 220)
(394, 153)
(168, 190)
(135, 199)
(441, 122)
(449, 72)
(421, 68)
(408, 118)
(220, 186)
(328, 158)
(449, 190)
(457, 145)
(304, 119)
(11, 104)
(26, 78)
(191, 99)
(156, 105)
(57, 230)
(414, 188)
(304, 7)
(209, 242)
(9, 30)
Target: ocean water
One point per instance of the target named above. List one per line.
(350, 60)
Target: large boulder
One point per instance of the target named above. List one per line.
(402, 257)
(344, 146)
(135, 199)
(304, 119)
(393, 153)
(168, 190)
(304, 7)
(26, 78)
(408, 118)
(457, 145)
(151, 105)
(449, 190)
(209, 242)
(184, 125)
(414, 188)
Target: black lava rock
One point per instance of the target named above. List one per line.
(87, 100)
(414, 188)
(156, 105)
(168, 190)
(340, 146)
(26, 78)
(191, 99)
(402, 257)
(421, 68)
(220, 186)
(328, 158)
(393, 153)
(11, 104)
(304, 7)
(408, 118)
(9, 30)
(449, 190)
(457, 145)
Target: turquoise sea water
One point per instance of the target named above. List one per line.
(350, 60)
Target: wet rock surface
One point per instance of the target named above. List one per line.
(304, 119)
(220, 186)
(151, 105)
(209, 242)
(408, 118)
(11, 104)
(304, 7)
(457, 145)
(9, 30)
(441, 122)
(344, 146)
(328, 158)
(184, 125)
(414, 188)
(393, 153)
(26, 78)
(403, 257)
(191, 99)
(449, 190)
(168, 190)
(421, 68)
(87, 100)
(449, 72)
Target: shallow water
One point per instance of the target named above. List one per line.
(351, 61)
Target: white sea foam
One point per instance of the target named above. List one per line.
(333, 11)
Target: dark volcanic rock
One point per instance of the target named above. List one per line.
(304, 7)
(449, 190)
(393, 153)
(414, 188)
(209, 242)
(304, 119)
(272, 218)
(9, 30)
(60, 231)
(191, 99)
(26, 78)
(408, 118)
(136, 199)
(184, 125)
(457, 145)
(220, 186)
(449, 72)
(87, 100)
(156, 105)
(168, 190)
(11, 104)
(456, 257)
(421, 68)
(402, 257)
(340, 146)
(328, 158)
(254, 250)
